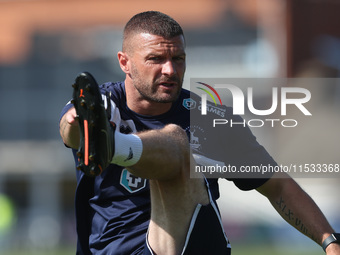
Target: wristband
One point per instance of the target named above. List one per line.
(333, 238)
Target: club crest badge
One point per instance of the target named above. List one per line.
(130, 182)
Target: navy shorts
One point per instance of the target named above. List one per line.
(205, 236)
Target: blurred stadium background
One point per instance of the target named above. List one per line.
(45, 43)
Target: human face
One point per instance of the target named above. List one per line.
(157, 67)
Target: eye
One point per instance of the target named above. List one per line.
(179, 58)
(155, 58)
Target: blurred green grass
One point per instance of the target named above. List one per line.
(237, 250)
(61, 251)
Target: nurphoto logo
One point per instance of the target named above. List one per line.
(243, 101)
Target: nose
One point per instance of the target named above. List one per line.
(168, 68)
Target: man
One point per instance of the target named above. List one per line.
(134, 193)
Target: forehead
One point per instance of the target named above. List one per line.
(148, 42)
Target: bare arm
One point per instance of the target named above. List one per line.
(165, 152)
(69, 129)
(299, 210)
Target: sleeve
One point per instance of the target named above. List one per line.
(245, 151)
(221, 136)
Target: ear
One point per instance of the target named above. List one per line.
(123, 60)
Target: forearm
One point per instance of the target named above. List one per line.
(298, 209)
(165, 151)
(302, 213)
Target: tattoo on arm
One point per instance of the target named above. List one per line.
(295, 221)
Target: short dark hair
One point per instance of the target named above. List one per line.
(152, 22)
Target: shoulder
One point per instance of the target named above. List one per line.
(115, 91)
(113, 87)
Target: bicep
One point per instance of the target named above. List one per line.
(274, 187)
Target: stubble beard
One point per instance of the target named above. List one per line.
(148, 92)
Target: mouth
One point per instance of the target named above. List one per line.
(168, 84)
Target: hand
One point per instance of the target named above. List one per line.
(70, 117)
(333, 249)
